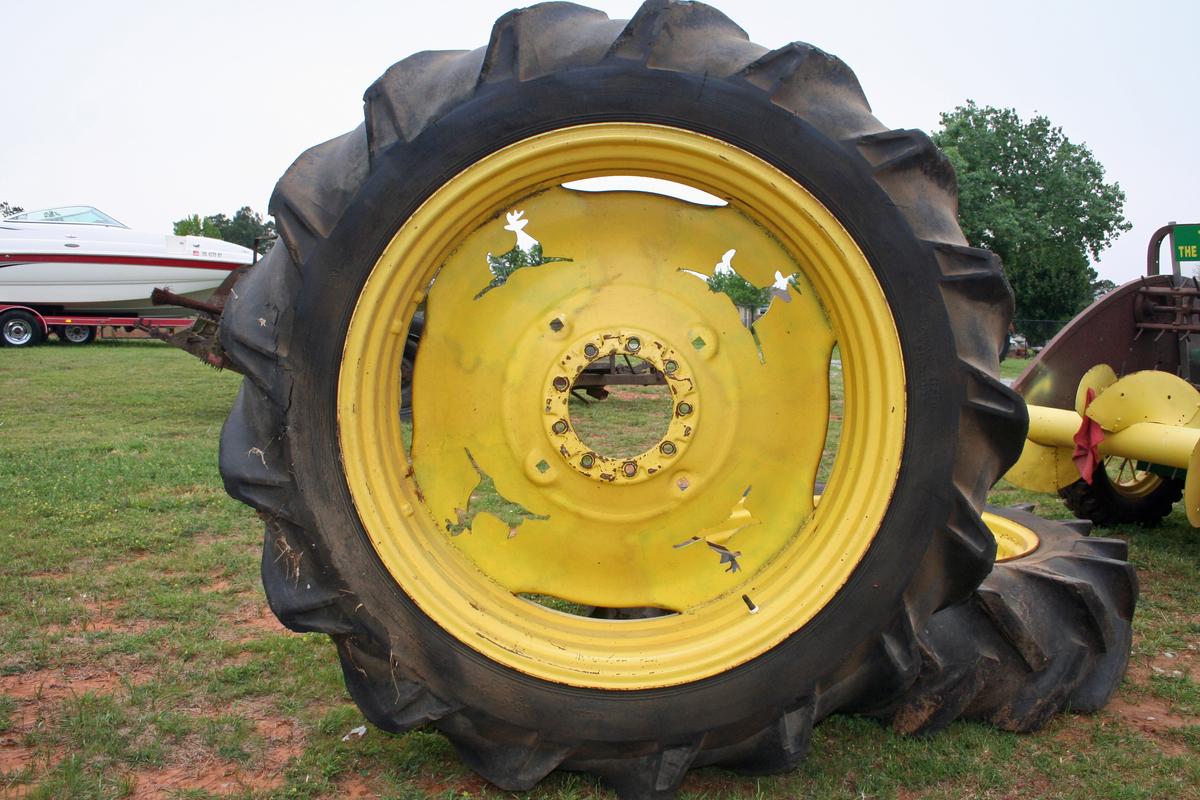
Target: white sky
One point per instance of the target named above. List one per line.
(154, 110)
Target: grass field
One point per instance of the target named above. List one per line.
(139, 658)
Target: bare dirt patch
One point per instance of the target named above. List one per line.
(357, 787)
(250, 620)
(1153, 718)
(100, 617)
(1181, 663)
(14, 757)
(283, 743)
(468, 785)
(39, 693)
(212, 776)
(50, 575)
(51, 686)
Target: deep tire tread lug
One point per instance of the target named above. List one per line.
(1045, 631)
(311, 196)
(666, 34)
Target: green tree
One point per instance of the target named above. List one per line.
(6, 209)
(195, 225)
(741, 291)
(245, 226)
(502, 267)
(1036, 199)
(1102, 287)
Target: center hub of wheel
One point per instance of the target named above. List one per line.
(595, 349)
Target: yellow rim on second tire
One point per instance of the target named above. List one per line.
(1132, 483)
(718, 526)
(1013, 539)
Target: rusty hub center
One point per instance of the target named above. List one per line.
(600, 345)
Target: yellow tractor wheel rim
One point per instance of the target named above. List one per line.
(1013, 539)
(1129, 481)
(751, 409)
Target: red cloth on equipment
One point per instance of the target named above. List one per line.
(1087, 440)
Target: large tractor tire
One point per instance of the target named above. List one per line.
(1049, 629)
(770, 606)
(1129, 496)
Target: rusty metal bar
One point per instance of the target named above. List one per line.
(1178, 327)
(164, 297)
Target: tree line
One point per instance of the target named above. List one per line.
(246, 227)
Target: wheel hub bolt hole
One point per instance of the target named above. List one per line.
(559, 427)
(634, 344)
(683, 409)
(591, 351)
(629, 468)
(556, 324)
(667, 448)
(670, 367)
(587, 461)
(561, 383)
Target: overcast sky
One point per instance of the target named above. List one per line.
(155, 110)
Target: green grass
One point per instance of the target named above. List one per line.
(136, 649)
(1010, 368)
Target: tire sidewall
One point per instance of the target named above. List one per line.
(407, 173)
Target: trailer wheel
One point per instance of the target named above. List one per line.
(1121, 494)
(1049, 629)
(77, 334)
(471, 620)
(20, 328)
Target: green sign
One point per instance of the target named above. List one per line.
(1186, 241)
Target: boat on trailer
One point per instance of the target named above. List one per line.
(64, 269)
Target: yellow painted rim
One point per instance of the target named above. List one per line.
(1013, 539)
(709, 637)
(1133, 483)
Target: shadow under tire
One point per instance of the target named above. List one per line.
(687, 72)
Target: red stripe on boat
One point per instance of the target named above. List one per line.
(139, 261)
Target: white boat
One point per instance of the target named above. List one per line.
(78, 260)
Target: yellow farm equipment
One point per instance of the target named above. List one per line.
(1114, 417)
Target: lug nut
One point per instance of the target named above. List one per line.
(634, 344)
(670, 367)
(591, 351)
(561, 383)
(559, 427)
(683, 409)
(629, 468)
(667, 448)
(587, 461)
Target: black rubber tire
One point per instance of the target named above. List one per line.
(548, 67)
(1103, 504)
(20, 328)
(1044, 632)
(76, 334)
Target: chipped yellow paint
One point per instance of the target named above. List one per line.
(488, 361)
(1146, 396)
